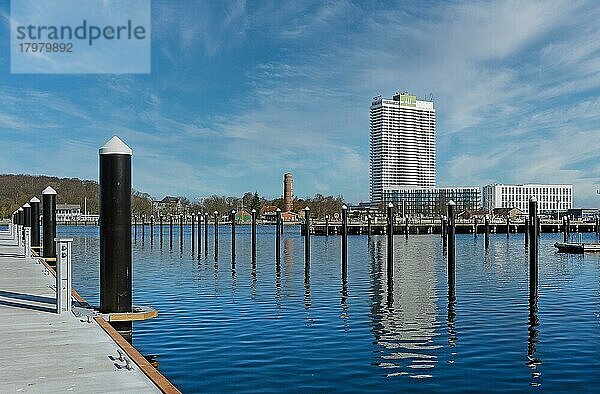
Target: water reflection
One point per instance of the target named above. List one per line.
(344, 303)
(404, 311)
(380, 329)
(532, 339)
(306, 285)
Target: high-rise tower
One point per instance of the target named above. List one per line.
(402, 144)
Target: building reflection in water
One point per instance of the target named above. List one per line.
(404, 310)
(288, 248)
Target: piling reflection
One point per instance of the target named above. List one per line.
(288, 247)
(344, 303)
(532, 362)
(404, 312)
(307, 286)
(451, 319)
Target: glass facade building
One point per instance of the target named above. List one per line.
(433, 201)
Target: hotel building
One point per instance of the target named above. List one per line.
(551, 198)
(402, 144)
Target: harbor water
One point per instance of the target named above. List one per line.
(268, 327)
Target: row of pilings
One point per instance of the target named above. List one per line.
(115, 232)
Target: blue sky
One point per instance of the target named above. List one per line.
(241, 92)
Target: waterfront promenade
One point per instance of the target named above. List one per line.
(42, 351)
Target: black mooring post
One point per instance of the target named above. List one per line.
(406, 227)
(35, 223)
(369, 229)
(307, 236)
(507, 226)
(143, 228)
(232, 218)
(564, 230)
(49, 221)
(487, 232)
(254, 235)
(205, 234)
(135, 224)
(390, 241)
(193, 231)
(151, 229)
(568, 228)
(442, 229)
(451, 243)
(278, 235)
(533, 243)
(171, 231)
(115, 231)
(475, 228)
(526, 232)
(181, 218)
(199, 234)
(160, 229)
(344, 241)
(216, 224)
(326, 225)
(27, 217)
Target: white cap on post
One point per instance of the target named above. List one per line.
(390, 205)
(34, 200)
(344, 206)
(49, 190)
(115, 146)
(451, 202)
(26, 205)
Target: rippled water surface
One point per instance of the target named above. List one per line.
(270, 327)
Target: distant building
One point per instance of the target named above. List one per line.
(243, 216)
(585, 214)
(269, 213)
(169, 204)
(551, 198)
(511, 213)
(432, 201)
(402, 144)
(68, 212)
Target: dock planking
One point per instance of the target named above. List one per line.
(42, 351)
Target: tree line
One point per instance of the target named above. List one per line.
(15, 190)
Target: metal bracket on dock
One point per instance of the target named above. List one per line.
(138, 313)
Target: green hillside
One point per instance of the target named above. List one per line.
(15, 190)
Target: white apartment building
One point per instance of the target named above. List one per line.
(551, 198)
(402, 144)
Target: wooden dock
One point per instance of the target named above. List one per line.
(42, 351)
(435, 227)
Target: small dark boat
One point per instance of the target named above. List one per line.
(564, 247)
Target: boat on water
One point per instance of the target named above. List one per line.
(566, 247)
